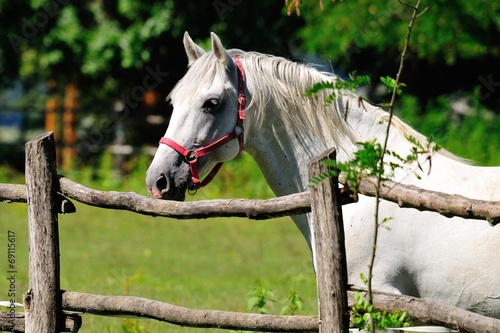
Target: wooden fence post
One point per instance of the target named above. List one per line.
(43, 300)
(329, 248)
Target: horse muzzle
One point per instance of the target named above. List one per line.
(165, 188)
(168, 178)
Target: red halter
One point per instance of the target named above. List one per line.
(193, 155)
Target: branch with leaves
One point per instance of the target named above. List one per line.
(370, 159)
(396, 86)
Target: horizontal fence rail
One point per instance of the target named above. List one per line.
(407, 196)
(147, 308)
(425, 310)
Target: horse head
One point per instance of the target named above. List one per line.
(205, 129)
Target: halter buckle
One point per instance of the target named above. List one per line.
(242, 100)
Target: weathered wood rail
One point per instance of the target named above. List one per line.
(425, 310)
(45, 303)
(407, 196)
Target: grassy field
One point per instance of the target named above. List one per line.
(201, 264)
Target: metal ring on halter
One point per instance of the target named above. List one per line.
(239, 130)
(190, 156)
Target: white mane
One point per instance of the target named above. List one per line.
(284, 82)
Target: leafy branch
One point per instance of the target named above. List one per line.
(351, 84)
(365, 164)
(365, 317)
(396, 87)
(370, 161)
(392, 85)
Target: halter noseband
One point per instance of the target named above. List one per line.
(237, 133)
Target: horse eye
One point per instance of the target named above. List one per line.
(211, 105)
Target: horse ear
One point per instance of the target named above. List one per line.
(219, 50)
(193, 51)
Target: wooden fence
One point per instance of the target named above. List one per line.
(46, 194)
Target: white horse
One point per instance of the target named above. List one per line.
(421, 253)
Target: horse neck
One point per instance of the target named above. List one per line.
(282, 149)
(281, 153)
(369, 122)
(284, 130)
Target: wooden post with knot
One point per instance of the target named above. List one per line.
(43, 302)
(329, 249)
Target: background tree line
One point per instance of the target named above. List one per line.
(109, 47)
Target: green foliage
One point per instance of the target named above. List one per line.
(363, 313)
(109, 40)
(474, 135)
(391, 84)
(293, 303)
(133, 326)
(259, 297)
(93, 36)
(97, 39)
(351, 84)
(342, 29)
(364, 316)
(366, 163)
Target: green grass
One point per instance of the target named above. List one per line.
(200, 264)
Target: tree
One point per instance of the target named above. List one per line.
(454, 43)
(110, 48)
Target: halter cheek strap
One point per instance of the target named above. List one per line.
(237, 133)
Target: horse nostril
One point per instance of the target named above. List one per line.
(161, 183)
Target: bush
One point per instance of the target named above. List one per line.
(474, 135)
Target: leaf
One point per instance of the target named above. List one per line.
(316, 180)
(363, 278)
(386, 219)
(391, 84)
(351, 84)
(316, 88)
